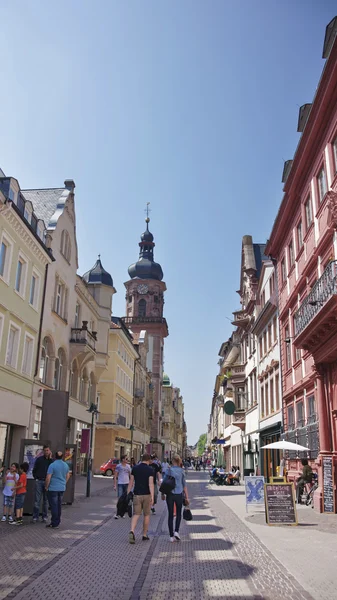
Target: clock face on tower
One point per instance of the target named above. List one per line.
(142, 288)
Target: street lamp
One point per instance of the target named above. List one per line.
(94, 412)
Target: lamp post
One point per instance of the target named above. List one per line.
(94, 412)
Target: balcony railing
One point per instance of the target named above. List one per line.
(108, 419)
(82, 335)
(139, 394)
(131, 320)
(306, 435)
(322, 291)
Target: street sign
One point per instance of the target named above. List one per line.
(280, 504)
(254, 491)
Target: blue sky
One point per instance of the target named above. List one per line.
(190, 105)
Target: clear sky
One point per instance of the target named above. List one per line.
(190, 105)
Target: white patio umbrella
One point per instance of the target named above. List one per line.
(284, 445)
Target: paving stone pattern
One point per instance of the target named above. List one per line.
(89, 556)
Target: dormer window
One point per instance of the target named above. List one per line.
(28, 212)
(65, 245)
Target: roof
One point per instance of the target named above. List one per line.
(46, 202)
(259, 257)
(98, 275)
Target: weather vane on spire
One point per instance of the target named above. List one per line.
(147, 210)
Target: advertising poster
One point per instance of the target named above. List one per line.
(254, 490)
(31, 453)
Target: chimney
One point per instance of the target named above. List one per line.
(69, 184)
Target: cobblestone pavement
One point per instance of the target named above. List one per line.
(219, 556)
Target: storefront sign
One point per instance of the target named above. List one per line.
(85, 441)
(328, 485)
(254, 490)
(280, 504)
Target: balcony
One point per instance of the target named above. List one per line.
(306, 434)
(241, 318)
(128, 321)
(110, 420)
(139, 395)
(238, 373)
(83, 343)
(314, 321)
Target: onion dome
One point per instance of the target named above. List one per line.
(98, 275)
(145, 267)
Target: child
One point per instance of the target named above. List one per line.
(10, 481)
(21, 489)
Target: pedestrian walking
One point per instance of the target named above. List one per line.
(40, 469)
(10, 480)
(21, 490)
(156, 466)
(176, 498)
(122, 478)
(56, 481)
(142, 481)
(164, 466)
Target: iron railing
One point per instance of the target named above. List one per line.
(80, 335)
(139, 319)
(306, 435)
(322, 291)
(108, 419)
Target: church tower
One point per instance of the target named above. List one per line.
(144, 311)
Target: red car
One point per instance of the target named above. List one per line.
(109, 467)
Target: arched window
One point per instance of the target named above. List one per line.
(46, 354)
(92, 390)
(83, 395)
(65, 245)
(60, 371)
(142, 308)
(73, 383)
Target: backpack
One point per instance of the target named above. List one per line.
(168, 484)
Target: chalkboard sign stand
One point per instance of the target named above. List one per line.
(280, 504)
(328, 485)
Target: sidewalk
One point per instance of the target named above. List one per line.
(308, 551)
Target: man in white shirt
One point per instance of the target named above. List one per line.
(122, 477)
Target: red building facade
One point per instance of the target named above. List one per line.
(304, 244)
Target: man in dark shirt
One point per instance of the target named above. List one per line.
(40, 473)
(142, 481)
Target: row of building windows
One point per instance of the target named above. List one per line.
(301, 412)
(268, 338)
(125, 356)
(21, 272)
(322, 189)
(123, 380)
(124, 409)
(270, 394)
(13, 346)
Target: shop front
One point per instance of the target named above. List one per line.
(269, 459)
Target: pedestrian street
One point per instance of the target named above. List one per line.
(223, 554)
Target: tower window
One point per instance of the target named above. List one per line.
(156, 299)
(130, 299)
(142, 308)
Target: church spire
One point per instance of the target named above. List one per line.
(145, 267)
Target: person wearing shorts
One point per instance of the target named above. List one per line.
(21, 490)
(10, 480)
(142, 481)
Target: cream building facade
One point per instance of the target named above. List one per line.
(24, 260)
(73, 351)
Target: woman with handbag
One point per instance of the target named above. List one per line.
(177, 495)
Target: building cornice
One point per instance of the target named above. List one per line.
(26, 236)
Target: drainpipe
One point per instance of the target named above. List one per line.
(41, 320)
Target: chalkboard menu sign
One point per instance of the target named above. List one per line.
(328, 485)
(280, 504)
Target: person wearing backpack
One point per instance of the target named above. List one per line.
(176, 496)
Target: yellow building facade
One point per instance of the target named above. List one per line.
(116, 393)
(24, 260)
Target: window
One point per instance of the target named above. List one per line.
(27, 359)
(311, 409)
(77, 315)
(34, 290)
(266, 398)
(37, 423)
(1, 327)
(28, 212)
(65, 245)
(287, 348)
(13, 345)
(297, 354)
(277, 392)
(3, 256)
(261, 347)
(291, 420)
(271, 395)
(269, 337)
(334, 150)
(142, 308)
(265, 342)
(58, 383)
(283, 270)
(322, 185)
(308, 212)
(300, 414)
(262, 402)
(299, 235)
(73, 380)
(20, 280)
(275, 329)
(61, 299)
(291, 254)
